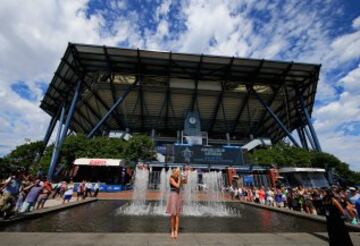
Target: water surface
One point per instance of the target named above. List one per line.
(102, 216)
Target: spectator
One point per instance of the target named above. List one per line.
(63, 187)
(279, 199)
(31, 198)
(46, 192)
(96, 188)
(23, 193)
(80, 191)
(269, 197)
(10, 191)
(69, 191)
(88, 189)
(262, 195)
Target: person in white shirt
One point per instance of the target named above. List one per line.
(69, 191)
(96, 188)
(88, 189)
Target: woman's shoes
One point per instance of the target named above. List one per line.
(172, 234)
(175, 235)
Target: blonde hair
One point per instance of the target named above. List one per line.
(175, 173)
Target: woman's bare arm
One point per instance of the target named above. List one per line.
(174, 183)
(338, 206)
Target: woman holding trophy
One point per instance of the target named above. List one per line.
(174, 206)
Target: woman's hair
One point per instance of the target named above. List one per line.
(328, 195)
(175, 173)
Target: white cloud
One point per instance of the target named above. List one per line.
(351, 82)
(356, 23)
(332, 118)
(32, 42)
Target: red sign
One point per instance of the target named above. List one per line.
(97, 162)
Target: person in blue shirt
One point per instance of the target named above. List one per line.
(357, 206)
(32, 196)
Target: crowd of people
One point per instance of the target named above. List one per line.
(21, 193)
(308, 200)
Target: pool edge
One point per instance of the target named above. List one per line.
(317, 218)
(44, 211)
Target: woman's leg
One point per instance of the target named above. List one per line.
(177, 220)
(172, 225)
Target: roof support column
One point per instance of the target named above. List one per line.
(60, 141)
(56, 145)
(302, 137)
(273, 115)
(113, 107)
(51, 127)
(309, 123)
(48, 134)
(307, 133)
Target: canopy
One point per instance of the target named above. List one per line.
(99, 162)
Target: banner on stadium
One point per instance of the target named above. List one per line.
(248, 180)
(99, 162)
(198, 154)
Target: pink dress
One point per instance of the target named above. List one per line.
(174, 205)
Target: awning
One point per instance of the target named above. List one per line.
(300, 169)
(99, 162)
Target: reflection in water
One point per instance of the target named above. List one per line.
(266, 219)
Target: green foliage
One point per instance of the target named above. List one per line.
(6, 168)
(22, 157)
(139, 147)
(283, 155)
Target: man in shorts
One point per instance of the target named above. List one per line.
(69, 191)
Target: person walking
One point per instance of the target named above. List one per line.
(69, 191)
(337, 231)
(80, 191)
(96, 188)
(88, 189)
(174, 206)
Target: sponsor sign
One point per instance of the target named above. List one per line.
(225, 155)
(98, 162)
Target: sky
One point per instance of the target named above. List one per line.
(34, 35)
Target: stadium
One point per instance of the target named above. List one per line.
(202, 110)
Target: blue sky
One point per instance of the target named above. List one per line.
(34, 34)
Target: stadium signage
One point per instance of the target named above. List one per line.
(98, 162)
(197, 154)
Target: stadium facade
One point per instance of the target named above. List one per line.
(199, 109)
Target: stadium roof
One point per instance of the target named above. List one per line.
(170, 84)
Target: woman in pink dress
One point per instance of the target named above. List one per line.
(174, 206)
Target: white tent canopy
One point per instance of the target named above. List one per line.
(99, 162)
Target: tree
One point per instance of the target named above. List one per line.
(139, 147)
(284, 155)
(23, 156)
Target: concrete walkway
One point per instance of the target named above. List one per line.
(248, 239)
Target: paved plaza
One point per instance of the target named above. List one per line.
(248, 239)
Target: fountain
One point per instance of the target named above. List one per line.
(139, 205)
(213, 206)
